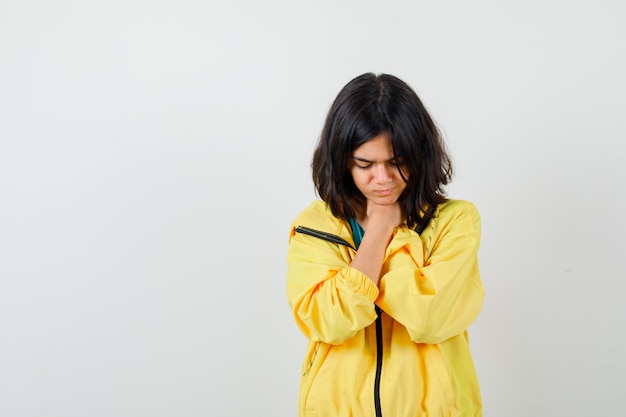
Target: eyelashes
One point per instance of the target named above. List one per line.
(391, 163)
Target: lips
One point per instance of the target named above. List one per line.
(383, 193)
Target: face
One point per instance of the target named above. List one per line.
(374, 171)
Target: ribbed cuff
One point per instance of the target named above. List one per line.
(362, 284)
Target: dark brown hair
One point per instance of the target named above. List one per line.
(366, 107)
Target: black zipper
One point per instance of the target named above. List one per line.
(324, 236)
(379, 361)
(379, 331)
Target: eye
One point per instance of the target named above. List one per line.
(398, 162)
(361, 163)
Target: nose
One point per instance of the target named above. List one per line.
(382, 174)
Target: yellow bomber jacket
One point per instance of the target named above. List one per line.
(412, 359)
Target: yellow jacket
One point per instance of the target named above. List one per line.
(415, 359)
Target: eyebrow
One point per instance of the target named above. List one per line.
(357, 158)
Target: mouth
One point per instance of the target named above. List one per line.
(383, 193)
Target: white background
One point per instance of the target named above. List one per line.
(154, 153)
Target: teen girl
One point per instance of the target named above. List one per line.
(383, 275)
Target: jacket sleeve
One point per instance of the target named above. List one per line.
(330, 300)
(440, 297)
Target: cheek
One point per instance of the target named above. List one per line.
(359, 178)
(402, 170)
(404, 174)
(400, 181)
